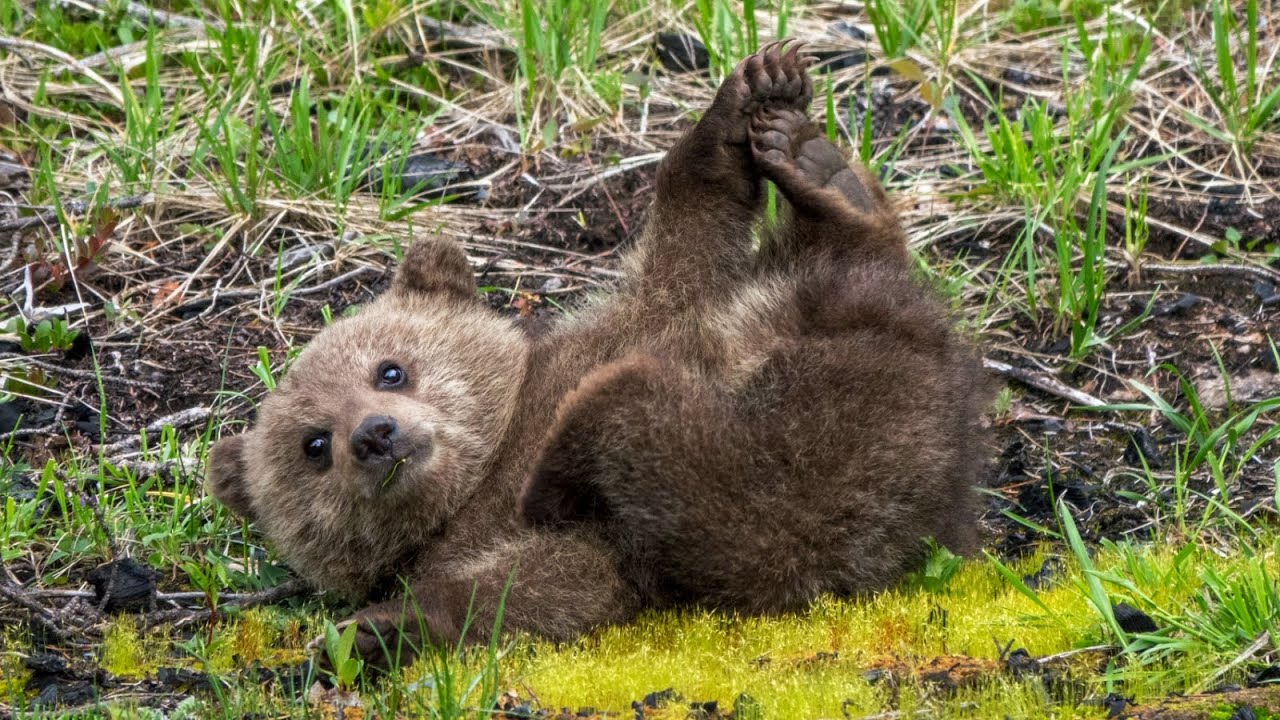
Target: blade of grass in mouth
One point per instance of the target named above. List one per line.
(392, 474)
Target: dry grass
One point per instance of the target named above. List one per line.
(189, 192)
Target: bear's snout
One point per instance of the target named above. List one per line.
(377, 440)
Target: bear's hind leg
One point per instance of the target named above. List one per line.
(838, 211)
(697, 240)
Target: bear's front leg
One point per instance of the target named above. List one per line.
(697, 240)
(554, 585)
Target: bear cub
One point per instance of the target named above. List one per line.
(736, 427)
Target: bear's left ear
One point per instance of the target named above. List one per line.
(226, 475)
(435, 266)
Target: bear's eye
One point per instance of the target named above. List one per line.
(316, 447)
(391, 375)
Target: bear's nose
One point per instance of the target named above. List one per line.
(374, 440)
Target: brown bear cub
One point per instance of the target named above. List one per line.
(737, 428)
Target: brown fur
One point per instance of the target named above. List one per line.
(740, 429)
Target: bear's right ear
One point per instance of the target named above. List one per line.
(226, 475)
(435, 266)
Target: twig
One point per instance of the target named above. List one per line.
(12, 43)
(1217, 269)
(1260, 642)
(72, 207)
(180, 419)
(246, 293)
(283, 591)
(1072, 653)
(1044, 383)
(19, 596)
(181, 616)
(73, 372)
(147, 14)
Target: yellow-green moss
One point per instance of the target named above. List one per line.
(13, 674)
(131, 655)
(707, 656)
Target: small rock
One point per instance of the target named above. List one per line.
(1131, 619)
(80, 348)
(875, 675)
(660, 698)
(1141, 445)
(1116, 704)
(429, 176)
(1020, 663)
(704, 710)
(182, 678)
(1266, 676)
(1244, 712)
(848, 29)
(832, 60)
(1266, 292)
(124, 585)
(426, 176)
(1267, 358)
(1050, 569)
(1231, 325)
(679, 52)
(301, 254)
(1182, 306)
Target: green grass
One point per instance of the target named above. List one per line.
(1067, 130)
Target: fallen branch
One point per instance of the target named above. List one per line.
(72, 207)
(1256, 273)
(283, 591)
(146, 14)
(18, 44)
(18, 595)
(1044, 383)
(180, 419)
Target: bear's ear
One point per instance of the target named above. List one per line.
(226, 475)
(435, 266)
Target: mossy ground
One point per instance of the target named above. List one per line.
(190, 192)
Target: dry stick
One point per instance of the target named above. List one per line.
(146, 14)
(180, 617)
(248, 293)
(1259, 643)
(1043, 383)
(180, 419)
(19, 596)
(283, 591)
(72, 207)
(1077, 651)
(1216, 269)
(18, 44)
(72, 372)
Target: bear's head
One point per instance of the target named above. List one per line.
(381, 428)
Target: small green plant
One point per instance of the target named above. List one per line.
(48, 335)
(939, 568)
(208, 578)
(1136, 231)
(338, 648)
(1091, 583)
(263, 370)
(558, 51)
(1059, 172)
